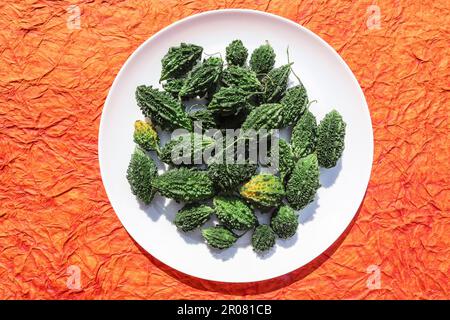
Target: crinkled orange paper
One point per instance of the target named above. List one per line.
(54, 213)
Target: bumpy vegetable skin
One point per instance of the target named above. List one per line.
(304, 135)
(264, 190)
(330, 139)
(203, 79)
(284, 222)
(286, 160)
(295, 102)
(236, 53)
(186, 149)
(203, 119)
(303, 183)
(275, 83)
(183, 184)
(266, 116)
(180, 60)
(245, 79)
(192, 216)
(229, 101)
(263, 238)
(227, 177)
(140, 174)
(234, 213)
(173, 86)
(219, 237)
(262, 59)
(145, 136)
(162, 108)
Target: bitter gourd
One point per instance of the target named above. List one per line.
(140, 174)
(192, 216)
(236, 53)
(173, 86)
(203, 79)
(244, 78)
(227, 177)
(330, 139)
(266, 116)
(286, 160)
(162, 108)
(248, 98)
(284, 222)
(219, 237)
(262, 59)
(145, 136)
(186, 149)
(203, 119)
(180, 60)
(263, 238)
(304, 135)
(275, 83)
(234, 213)
(264, 190)
(229, 101)
(303, 183)
(183, 184)
(295, 103)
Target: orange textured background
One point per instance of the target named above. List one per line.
(54, 212)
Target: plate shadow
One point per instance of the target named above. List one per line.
(328, 176)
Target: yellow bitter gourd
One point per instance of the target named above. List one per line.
(145, 136)
(264, 190)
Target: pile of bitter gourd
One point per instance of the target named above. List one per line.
(238, 95)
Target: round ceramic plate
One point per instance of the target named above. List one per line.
(328, 80)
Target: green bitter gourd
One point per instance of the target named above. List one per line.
(263, 238)
(303, 183)
(284, 222)
(234, 213)
(162, 108)
(140, 174)
(183, 184)
(192, 216)
(262, 59)
(219, 237)
(275, 83)
(180, 60)
(304, 135)
(203, 80)
(295, 102)
(236, 53)
(330, 139)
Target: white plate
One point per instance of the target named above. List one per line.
(328, 80)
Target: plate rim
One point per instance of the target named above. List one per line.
(255, 12)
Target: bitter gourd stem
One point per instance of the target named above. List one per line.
(292, 70)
